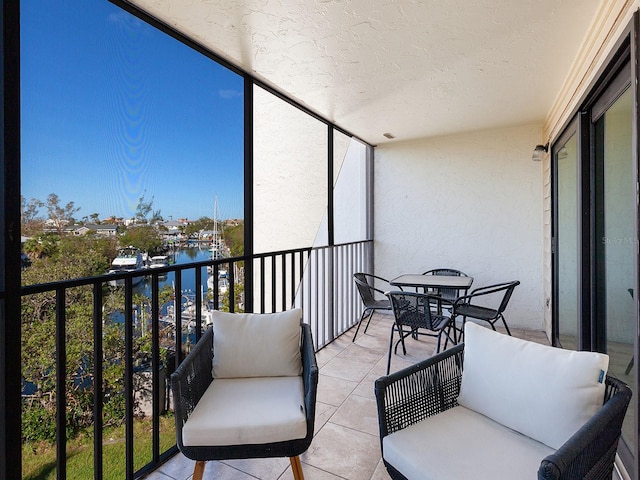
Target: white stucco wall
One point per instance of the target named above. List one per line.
(290, 175)
(472, 202)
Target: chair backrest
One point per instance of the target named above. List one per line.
(446, 271)
(448, 293)
(367, 289)
(412, 309)
(508, 291)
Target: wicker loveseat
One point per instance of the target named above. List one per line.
(516, 408)
(247, 390)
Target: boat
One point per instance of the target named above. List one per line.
(159, 261)
(129, 259)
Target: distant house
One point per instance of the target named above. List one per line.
(174, 226)
(105, 230)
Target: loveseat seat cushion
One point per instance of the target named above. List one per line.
(256, 345)
(462, 444)
(248, 411)
(543, 392)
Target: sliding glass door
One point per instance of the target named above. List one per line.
(566, 302)
(615, 246)
(595, 252)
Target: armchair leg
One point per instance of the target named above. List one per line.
(198, 471)
(296, 467)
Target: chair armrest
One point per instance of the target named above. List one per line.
(191, 379)
(590, 452)
(482, 291)
(419, 391)
(309, 376)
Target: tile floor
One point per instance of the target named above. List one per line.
(345, 445)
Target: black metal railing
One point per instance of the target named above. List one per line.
(319, 280)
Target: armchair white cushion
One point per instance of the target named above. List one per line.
(256, 345)
(240, 411)
(543, 392)
(461, 444)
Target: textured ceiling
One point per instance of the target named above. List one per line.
(412, 68)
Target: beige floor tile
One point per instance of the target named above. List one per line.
(179, 468)
(262, 468)
(348, 453)
(158, 475)
(381, 472)
(346, 369)
(222, 471)
(310, 473)
(366, 387)
(324, 412)
(361, 354)
(333, 390)
(358, 413)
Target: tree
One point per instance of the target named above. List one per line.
(203, 223)
(144, 208)
(60, 215)
(29, 213)
(144, 237)
(234, 239)
(29, 210)
(41, 246)
(72, 257)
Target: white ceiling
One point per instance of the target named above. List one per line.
(409, 67)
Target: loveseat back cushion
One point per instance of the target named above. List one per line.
(240, 411)
(544, 392)
(256, 345)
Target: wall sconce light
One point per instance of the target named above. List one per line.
(539, 151)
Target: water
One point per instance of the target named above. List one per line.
(179, 257)
(188, 294)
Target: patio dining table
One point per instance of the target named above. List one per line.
(432, 281)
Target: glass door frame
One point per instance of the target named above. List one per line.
(621, 69)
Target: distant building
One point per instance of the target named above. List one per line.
(105, 230)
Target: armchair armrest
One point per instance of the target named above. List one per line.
(419, 391)
(590, 452)
(191, 379)
(309, 377)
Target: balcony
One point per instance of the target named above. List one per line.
(346, 444)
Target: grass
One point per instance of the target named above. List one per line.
(39, 460)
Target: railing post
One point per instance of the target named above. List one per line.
(128, 375)
(98, 398)
(61, 385)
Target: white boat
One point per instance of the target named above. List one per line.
(159, 261)
(223, 281)
(129, 259)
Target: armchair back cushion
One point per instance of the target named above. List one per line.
(256, 345)
(543, 392)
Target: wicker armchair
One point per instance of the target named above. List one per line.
(431, 387)
(191, 382)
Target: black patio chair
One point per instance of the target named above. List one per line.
(448, 295)
(467, 306)
(372, 290)
(413, 311)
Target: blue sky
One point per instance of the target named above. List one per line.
(113, 109)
